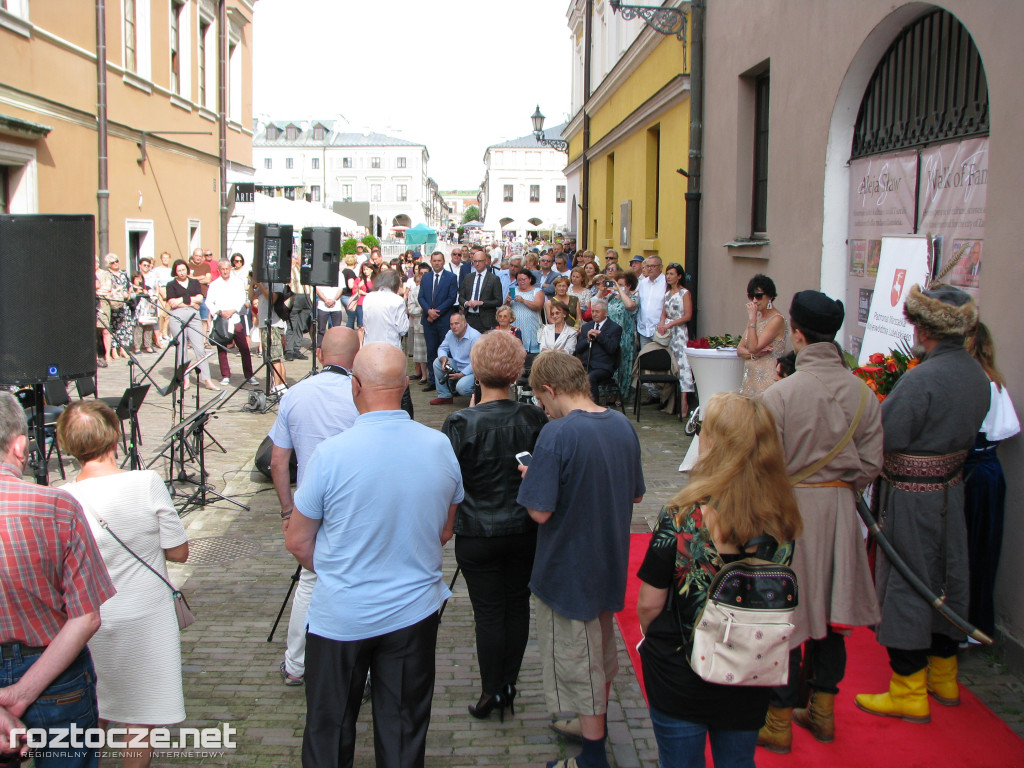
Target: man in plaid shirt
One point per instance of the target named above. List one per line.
(52, 583)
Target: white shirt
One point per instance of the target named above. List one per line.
(161, 276)
(226, 296)
(652, 300)
(384, 318)
(331, 292)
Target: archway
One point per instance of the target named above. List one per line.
(401, 220)
(885, 128)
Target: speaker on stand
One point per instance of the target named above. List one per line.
(272, 263)
(320, 265)
(273, 253)
(47, 265)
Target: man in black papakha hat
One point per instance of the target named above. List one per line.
(814, 409)
(931, 418)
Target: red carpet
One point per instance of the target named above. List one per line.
(969, 735)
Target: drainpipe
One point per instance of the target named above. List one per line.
(588, 31)
(102, 192)
(222, 122)
(693, 193)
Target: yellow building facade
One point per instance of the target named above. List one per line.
(628, 135)
(163, 116)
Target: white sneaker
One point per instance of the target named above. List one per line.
(280, 388)
(254, 381)
(225, 382)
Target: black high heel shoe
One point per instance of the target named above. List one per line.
(508, 693)
(486, 705)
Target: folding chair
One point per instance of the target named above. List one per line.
(653, 367)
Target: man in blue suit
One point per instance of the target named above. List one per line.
(439, 295)
(598, 345)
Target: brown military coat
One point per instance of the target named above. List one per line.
(813, 409)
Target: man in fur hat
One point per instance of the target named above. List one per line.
(814, 410)
(930, 418)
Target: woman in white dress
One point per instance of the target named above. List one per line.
(675, 314)
(557, 334)
(137, 650)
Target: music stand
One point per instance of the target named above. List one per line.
(128, 408)
(195, 426)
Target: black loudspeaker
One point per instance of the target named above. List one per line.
(47, 298)
(321, 256)
(272, 254)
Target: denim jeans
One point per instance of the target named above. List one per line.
(70, 698)
(326, 319)
(681, 744)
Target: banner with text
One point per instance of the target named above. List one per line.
(883, 193)
(903, 262)
(952, 199)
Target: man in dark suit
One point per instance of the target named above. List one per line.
(439, 294)
(598, 345)
(480, 294)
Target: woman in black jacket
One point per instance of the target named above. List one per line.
(494, 536)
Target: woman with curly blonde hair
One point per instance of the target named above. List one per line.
(739, 490)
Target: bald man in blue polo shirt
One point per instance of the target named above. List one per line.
(376, 547)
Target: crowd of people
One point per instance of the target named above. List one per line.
(780, 465)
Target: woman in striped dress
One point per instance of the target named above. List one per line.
(137, 649)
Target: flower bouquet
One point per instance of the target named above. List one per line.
(883, 371)
(714, 342)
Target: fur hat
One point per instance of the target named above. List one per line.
(941, 311)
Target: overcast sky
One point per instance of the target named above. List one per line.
(456, 75)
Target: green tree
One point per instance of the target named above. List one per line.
(349, 246)
(472, 214)
(371, 242)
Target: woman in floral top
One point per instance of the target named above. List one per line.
(738, 491)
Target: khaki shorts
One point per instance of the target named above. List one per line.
(276, 344)
(578, 660)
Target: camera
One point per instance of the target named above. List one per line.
(609, 283)
(447, 370)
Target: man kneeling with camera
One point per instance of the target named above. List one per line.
(452, 366)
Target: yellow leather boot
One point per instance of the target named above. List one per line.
(777, 734)
(818, 718)
(942, 683)
(907, 698)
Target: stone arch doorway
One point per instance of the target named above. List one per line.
(879, 135)
(401, 220)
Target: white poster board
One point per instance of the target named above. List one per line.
(903, 262)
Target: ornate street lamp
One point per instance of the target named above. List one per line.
(538, 133)
(667, 21)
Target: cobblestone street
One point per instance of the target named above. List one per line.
(239, 571)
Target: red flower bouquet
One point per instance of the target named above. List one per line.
(884, 371)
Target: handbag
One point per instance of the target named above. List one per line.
(221, 334)
(741, 636)
(182, 611)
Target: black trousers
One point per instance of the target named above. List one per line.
(827, 661)
(908, 662)
(597, 377)
(402, 667)
(298, 323)
(497, 571)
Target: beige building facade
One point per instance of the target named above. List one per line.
(816, 146)
(162, 110)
